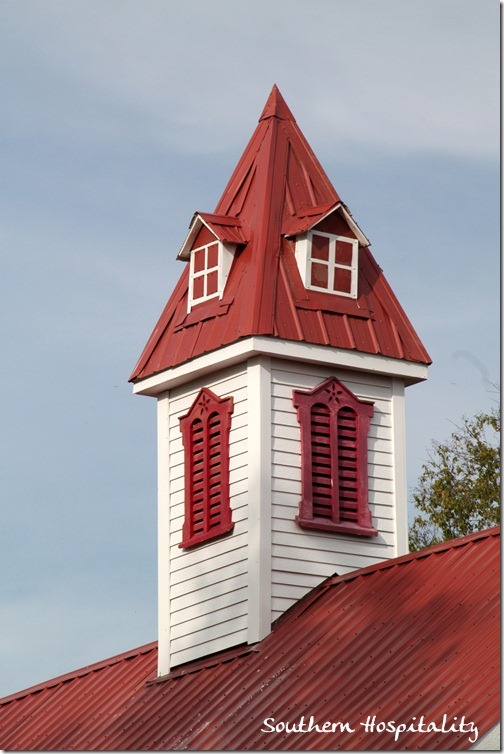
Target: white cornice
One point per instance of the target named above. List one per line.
(411, 372)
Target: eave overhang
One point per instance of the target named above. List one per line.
(315, 215)
(224, 228)
(408, 371)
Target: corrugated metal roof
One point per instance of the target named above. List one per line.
(416, 635)
(279, 188)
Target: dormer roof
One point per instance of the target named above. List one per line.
(277, 191)
(225, 229)
(314, 215)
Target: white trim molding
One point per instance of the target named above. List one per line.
(235, 353)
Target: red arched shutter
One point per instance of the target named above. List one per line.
(197, 479)
(322, 472)
(348, 487)
(334, 477)
(215, 494)
(205, 436)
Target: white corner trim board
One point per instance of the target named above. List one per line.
(163, 413)
(400, 478)
(259, 457)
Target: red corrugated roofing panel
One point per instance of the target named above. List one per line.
(417, 635)
(279, 185)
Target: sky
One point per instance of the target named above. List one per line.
(120, 120)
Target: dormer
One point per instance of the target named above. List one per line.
(210, 247)
(327, 242)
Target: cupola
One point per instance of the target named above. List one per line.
(279, 365)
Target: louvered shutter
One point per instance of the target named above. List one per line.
(322, 472)
(347, 465)
(205, 436)
(197, 515)
(334, 489)
(215, 500)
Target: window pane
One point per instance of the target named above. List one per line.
(342, 280)
(199, 260)
(344, 252)
(198, 289)
(320, 247)
(213, 256)
(212, 283)
(319, 275)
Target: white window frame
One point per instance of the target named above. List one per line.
(225, 254)
(305, 260)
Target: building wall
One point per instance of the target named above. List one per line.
(302, 558)
(228, 592)
(207, 591)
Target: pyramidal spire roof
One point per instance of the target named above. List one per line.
(276, 107)
(277, 191)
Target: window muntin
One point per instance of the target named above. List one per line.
(334, 476)
(204, 272)
(209, 268)
(205, 437)
(330, 263)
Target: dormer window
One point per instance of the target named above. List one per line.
(205, 272)
(209, 270)
(328, 262)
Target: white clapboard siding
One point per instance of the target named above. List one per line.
(226, 637)
(301, 558)
(279, 605)
(304, 581)
(218, 589)
(208, 584)
(308, 547)
(201, 643)
(210, 618)
(224, 574)
(209, 592)
(286, 527)
(199, 571)
(214, 553)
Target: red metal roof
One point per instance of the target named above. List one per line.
(223, 227)
(279, 189)
(416, 635)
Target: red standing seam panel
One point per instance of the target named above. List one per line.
(277, 191)
(205, 437)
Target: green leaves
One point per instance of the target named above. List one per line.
(458, 491)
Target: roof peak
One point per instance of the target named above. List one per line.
(276, 107)
(279, 190)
